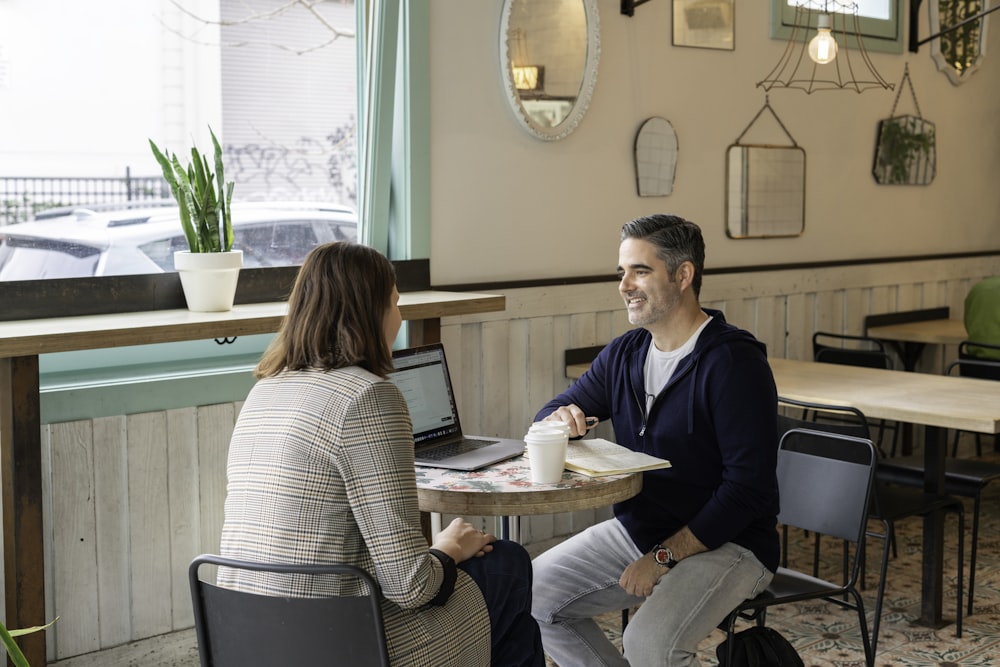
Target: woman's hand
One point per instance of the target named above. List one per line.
(461, 540)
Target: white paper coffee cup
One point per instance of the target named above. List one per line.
(546, 448)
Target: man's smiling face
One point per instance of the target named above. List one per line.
(650, 292)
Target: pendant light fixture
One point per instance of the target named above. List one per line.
(823, 47)
(825, 60)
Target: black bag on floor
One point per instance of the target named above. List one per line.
(759, 647)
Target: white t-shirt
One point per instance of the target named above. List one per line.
(661, 365)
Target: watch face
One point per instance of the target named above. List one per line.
(662, 556)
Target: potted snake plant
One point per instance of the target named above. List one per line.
(209, 268)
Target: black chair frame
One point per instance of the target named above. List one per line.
(888, 504)
(236, 628)
(823, 489)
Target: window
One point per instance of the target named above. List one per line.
(277, 81)
(880, 20)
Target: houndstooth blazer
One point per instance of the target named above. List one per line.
(320, 469)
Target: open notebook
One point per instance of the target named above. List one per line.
(421, 373)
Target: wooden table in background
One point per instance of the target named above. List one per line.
(22, 341)
(910, 338)
(935, 402)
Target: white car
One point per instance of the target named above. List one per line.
(102, 241)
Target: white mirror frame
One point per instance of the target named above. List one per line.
(939, 58)
(586, 87)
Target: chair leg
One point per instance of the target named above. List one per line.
(816, 555)
(954, 445)
(868, 642)
(961, 566)
(880, 594)
(974, 551)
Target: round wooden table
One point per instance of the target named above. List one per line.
(505, 489)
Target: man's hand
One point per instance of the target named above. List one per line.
(640, 576)
(574, 416)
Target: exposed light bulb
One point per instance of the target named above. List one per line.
(823, 47)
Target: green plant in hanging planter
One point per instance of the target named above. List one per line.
(905, 148)
(204, 198)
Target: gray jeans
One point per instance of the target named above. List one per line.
(578, 579)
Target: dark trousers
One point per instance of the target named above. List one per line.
(504, 577)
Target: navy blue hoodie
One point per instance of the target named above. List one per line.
(715, 421)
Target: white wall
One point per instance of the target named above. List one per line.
(507, 206)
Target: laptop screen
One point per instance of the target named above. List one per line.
(422, 375)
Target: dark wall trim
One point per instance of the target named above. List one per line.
(796, 266)
(64, 297)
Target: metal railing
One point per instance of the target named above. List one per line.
(21, 197)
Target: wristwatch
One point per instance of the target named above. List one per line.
(664, 556)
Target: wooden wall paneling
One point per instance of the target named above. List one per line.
(215, 428)
(882, 299)
(470, 380)
(45, 442)
(856, 302)
(184, 507)
(619, 322)
(798, 310)
(149, 534)
(563, 335)
(517, 374)
(910, 296)
(541, 357)
(111, 493)
(583, 330)
(74, 537)
(771, 322)
(827, 314)
(604, 327)
(48, 567)
(496, 397)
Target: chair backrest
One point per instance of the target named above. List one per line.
(972, 363)
(825, 482)
(237, 628)
(850, 350)
(848, 420)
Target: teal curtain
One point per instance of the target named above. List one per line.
(393, 127)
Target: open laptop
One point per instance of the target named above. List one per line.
(421, 373)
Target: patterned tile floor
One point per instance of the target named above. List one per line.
(827, 636)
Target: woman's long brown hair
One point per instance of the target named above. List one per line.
(336, 313)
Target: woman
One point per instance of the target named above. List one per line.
(321, 470)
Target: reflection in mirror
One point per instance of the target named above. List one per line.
(957, 52)
(765, 191)
(655, 157)
(548, 60)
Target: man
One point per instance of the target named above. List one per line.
(701, 536)
(982, 316)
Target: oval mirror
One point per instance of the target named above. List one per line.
(548, 61)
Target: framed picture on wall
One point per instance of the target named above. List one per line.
(704, 24)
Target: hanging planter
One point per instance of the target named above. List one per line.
(905, 153)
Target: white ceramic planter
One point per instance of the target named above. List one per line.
(209, 278)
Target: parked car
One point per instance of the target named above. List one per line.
(103, 241)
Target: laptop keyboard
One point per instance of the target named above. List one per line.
(454, 448)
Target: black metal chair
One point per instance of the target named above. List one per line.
(862, 351)
(825, 482)
(889, 503)
(236, 629)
